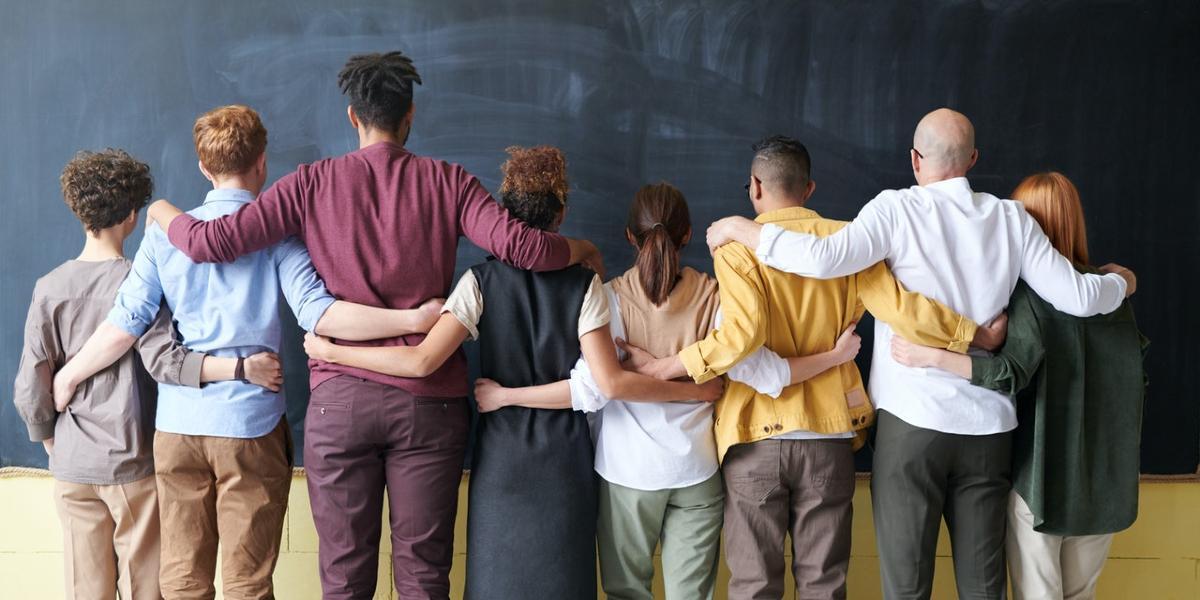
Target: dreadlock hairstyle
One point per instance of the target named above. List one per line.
(659, 223)
(380, 87)
(534, 189)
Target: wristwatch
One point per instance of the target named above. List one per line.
(239, 372)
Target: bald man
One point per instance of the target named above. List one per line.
(942, 446)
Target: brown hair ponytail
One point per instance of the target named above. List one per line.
(658, 224)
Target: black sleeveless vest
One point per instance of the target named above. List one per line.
(531, 521)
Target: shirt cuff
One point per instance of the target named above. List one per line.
(313, 312)
(41, 431)
(1124, 286)
(694, 362)
(189, 371)
(584, 395)
(127, 322)
(964, 334)
(984, 371)
(767, 236)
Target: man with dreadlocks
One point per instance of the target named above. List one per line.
(382, 227)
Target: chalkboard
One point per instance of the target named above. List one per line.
(638, 91)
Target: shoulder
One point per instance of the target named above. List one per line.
(735, 256)
(705, 284)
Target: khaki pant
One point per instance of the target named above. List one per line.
(110, 539)
(798, 487)
(1051, 567)
(227, 489)
(632, 523)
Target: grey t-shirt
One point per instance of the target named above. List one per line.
(106, 434)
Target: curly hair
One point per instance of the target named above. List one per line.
(229, 139)
(380, 87)
(103, 188)
(535, 184)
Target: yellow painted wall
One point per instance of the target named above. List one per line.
(1158, 558)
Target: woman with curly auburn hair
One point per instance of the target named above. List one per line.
(1079, 386)
(532, 519)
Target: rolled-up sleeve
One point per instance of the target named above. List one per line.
(140, 295)
(303, 288)
(585, 394)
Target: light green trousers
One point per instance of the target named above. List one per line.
(686, 520)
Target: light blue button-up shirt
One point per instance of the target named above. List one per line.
(227, 309)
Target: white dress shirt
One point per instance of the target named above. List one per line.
(662, 445)
(964, 248)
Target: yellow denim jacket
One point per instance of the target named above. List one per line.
(798, 316)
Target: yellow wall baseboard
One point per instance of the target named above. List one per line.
(1158, 558)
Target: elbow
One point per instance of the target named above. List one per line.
(424, 367)
(611, 386)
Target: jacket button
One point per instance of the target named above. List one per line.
(322, 410)
(778, 427)
(767, 429)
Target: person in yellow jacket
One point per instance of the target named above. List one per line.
(788, 462)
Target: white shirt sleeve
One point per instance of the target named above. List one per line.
(585, 394)
(764, 370)
(862, 243)
(466, 303)
(1053, 277)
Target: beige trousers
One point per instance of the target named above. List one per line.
(110, 539)
(1051, 567)
(230, 490)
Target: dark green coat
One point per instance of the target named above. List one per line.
(1079, 387)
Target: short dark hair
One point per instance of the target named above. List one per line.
(380, 87)
(784, 162)
(103, 188)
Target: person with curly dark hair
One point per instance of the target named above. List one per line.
(531, 530)
(383, 226)
(100, 444)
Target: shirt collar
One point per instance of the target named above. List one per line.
(229, 195)
(950, 186)
(790, 213)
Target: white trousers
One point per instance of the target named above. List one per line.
(1051, 567)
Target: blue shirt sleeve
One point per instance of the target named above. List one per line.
(302, 287)
(141, 294)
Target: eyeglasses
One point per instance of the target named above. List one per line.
(919, 155)
(753, 178)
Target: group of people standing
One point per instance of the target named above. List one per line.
(659, 409)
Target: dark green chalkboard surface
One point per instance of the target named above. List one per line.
(638, 91)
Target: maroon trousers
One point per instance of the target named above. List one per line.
(361, 437)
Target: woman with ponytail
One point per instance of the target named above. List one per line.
(659, 476)
(531, 523)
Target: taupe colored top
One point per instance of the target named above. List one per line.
(106, 434)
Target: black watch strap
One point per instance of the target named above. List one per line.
(239, 372)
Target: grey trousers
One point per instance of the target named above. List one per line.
(777, 487)
(919, 477)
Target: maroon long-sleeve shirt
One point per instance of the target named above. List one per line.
(382, 226)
